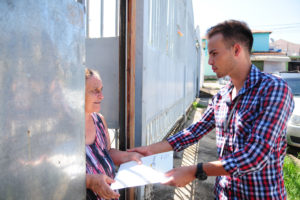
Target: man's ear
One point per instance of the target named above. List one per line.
(237, 49)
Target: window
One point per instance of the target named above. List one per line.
(102, 18)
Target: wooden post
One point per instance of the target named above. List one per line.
(122, 82)
(130, 74)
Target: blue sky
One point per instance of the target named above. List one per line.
(282, 17)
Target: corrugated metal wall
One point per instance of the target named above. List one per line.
(167, 62)
(42, 100)
(102, 54)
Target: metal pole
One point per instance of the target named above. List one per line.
(122, 81)
(122, 75)
(101, 18)
(87, 18)
(117, 18)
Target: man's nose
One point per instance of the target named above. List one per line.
(210, 61)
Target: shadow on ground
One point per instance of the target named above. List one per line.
(203, 151)
(295, 151)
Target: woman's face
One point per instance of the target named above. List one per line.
(93, 94)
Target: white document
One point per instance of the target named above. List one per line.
(152, 170)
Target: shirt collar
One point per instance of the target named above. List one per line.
(251, 80)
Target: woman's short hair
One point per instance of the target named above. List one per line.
(233, 31)
(90, 72)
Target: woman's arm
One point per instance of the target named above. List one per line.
(120, 157)
(117, 156)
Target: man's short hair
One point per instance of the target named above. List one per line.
(233, 31)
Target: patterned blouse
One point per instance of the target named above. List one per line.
(98, 160)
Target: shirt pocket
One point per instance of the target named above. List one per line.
(245, 120)
(220, 115)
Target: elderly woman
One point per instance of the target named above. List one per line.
(100, 158)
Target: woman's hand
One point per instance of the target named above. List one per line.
(135, 157)
(144, 150)
(120, 157)
(100, 184)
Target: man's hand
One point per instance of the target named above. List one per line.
(100, 184)
(144, 150)
(181, 176)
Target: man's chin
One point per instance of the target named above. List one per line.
(219, 75)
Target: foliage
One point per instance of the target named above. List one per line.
(210, 79)
(291, 178)
(198, 105)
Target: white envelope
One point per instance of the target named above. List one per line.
(151, 171)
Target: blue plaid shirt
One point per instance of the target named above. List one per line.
(254, 144)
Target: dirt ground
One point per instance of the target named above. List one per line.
(203, 151)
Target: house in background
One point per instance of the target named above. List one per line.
(294, 64)
(267, 59)
(208, 72)
(260, 41)
(289, 48)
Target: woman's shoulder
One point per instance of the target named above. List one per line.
(99, 115)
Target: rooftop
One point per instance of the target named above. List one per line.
(268, 53)
(258, 31)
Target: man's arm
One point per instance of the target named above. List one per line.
(183, 138)
(159, 147)
(182, 176)
(214, 168)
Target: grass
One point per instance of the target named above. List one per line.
(198, 105)
(210, 79)
(291, 178)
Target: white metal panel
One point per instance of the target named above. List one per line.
(273, 67)
(102, 54)
(166, 68)
(42, 100)
(169, 66)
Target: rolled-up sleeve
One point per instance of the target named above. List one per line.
(195, 132)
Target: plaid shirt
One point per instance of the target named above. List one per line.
(255, 140)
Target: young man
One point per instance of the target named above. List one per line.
(250, 116)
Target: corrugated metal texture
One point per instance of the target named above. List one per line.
(42, 100)
(169, 66)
